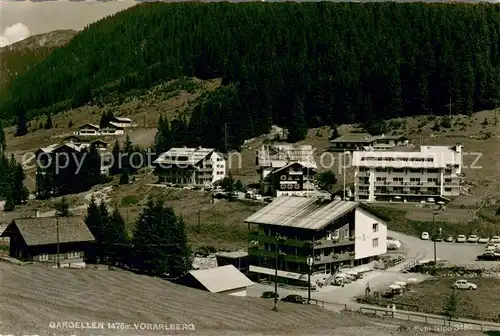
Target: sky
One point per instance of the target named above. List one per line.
(21, 19)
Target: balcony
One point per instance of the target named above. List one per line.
(324, 243)
(407, 183)
(409, 193)
(363, 174)
(272, 254)
(255, 236)
(323, 259)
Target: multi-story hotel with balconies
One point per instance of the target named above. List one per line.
(191, 166)
(334, 233)
(408, 176)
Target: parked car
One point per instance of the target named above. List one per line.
(424, 236)
(269, 295)
(472, 239)
(294, 299)
(437, 238)
(489, 256)
(449, 239)
(483, 240)
(464, 284)
(461, 239)
(495, 240)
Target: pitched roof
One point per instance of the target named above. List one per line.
(43, 230)
(58, 146)
(184, 156)
(279, 155)
(122, 119)
(91, 125)
(74, 137)
(221, 279)
(233, 255)
(365, 137)
(302, 212)
(113, 125)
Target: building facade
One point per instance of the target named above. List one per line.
(286, 170)
(88, 130)
(112, 129)
(49, 240)
(334, 233)
(364, 141)
(191, 166)
(122, 122)
(428, 172)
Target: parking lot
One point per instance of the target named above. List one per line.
(413, 249)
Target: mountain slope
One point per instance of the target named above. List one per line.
(293, 64)
(17, 58)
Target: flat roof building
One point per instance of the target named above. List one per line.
(409, 174)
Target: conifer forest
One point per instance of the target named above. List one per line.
(292, 64)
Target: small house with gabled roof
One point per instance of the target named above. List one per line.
(39, 239)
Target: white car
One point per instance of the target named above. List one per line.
(483, 240)
(472, 239)
(495, 240)
(424, 236)
(461, 239)
(464, 284)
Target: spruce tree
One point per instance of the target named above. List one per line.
(297, 127)
(62, 208)
(48, 123)
(3, 142)
(9, 204)
(21, 128)
(160, 241)
(124, 177)
(117, 239)
(104, 249)
(116, 164)
(93, 221)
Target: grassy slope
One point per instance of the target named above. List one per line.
(431, 296)
(34, 296)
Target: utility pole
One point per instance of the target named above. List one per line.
(199, 214)
(278, 240)
(57, 242)
(435, 236)
(343, 173)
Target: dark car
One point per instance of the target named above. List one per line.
(437, 238)
(294, 299)
(269, 295)
(489, 256)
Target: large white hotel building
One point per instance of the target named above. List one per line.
(410, 175)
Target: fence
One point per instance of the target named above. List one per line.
(445, 322)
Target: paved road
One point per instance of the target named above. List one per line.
(417, 249)
(413, 248)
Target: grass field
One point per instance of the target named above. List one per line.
(32, 297)
(431, 296)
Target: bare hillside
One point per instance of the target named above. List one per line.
(33, 297)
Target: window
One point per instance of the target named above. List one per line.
(447, 180)
(447, 189)
(74, 254)
(375, 242)
(43, 257)
(375, 227)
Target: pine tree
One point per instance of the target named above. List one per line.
(104, 242)
(90, 171)
(117, 239)
(93, 221)
(116, 164)
(160, 241)
(19, 190)
(3, 142)
(124, 177)
(22, 128)
(62, 208)
(451, 307)
(297, 128)
(9, 204)
(48, 123)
